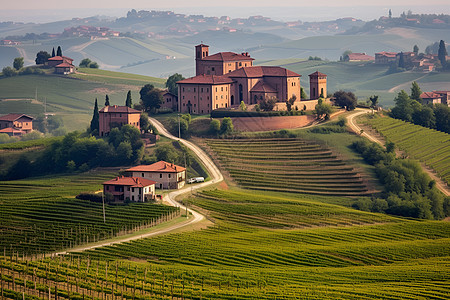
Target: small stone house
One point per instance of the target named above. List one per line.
(167, 175)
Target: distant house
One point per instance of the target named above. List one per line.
(430, 97)
(62, 64)
(16, 124)
(385, 58)
(167, 175)
(360, 57)
(117, 116)
(170, 101)
(130, 188)
(445, 96)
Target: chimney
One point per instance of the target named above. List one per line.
(246, 54)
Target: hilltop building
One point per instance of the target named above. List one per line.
(225, 79)
(436, 97)
(170, 101)
(117, 116)
(16, 124)
(317, 85)
(62, 64)
(130, 188)
(167, 175)
(359, 57)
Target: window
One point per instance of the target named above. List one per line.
(221, 89)
(142, 175)
(183, 89)
(160, 175)
(217, 105)
(194, 90)
(216, 89)
(195, 105)
(132, 190)
(128, 188)
(212, 69)
(132, 197)
(240, 64)
(201, 90)
(169, 175)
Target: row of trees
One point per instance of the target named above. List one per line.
(409, 192)
(410, 109)
(77, 151)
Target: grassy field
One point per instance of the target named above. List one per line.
(427, 145)
(262, 246)
(287, 164)
(41, 215)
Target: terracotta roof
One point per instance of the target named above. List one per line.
(130, 181)
(207, 79)
(429, 95)
(160, 166)
(119, 109)
(387, 54)
(64, 65)
(261, 86)
(60, 58)
(171, 94)
(13, 117)
(227, 56)
(317, 73)
(202, 45)
(261, 71)
(360, 56)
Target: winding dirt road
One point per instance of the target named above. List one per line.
(169, 198)
(440, 184)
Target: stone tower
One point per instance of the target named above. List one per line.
(317, 85)
(201, 51)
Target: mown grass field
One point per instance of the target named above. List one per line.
(427, 145)
(41, 215)
(264, 245)
(287, 164)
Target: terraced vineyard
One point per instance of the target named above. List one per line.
(40, 216)
(384, 258)
(287, 164)
(427, 145)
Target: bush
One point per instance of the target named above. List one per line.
(97, 198)
(9, 72)
(214, 127)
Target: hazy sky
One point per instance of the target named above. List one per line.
(42, 11)
(62, 4)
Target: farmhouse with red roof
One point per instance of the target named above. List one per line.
(62, 64)
(430, 97)
(16, 124)
(130, 188)
(225, 79)
(359, 57)
(167, 175)
(117, 116)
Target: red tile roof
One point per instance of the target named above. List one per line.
(60, 58)
(387, 54)
(130, 181)
(227, 56)
(317, 73)
(261, 86)
(13, 117)
(160, 166)
(207, 79)
(119, 109)
(261, 71)
(429, 95)
(360, 56)
(64, 65)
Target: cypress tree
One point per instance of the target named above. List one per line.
(442, 53)
(107, 100)
(53, 52)
(59, 51)
(415, 92)
(129, 101)
(401, 61)
(95, 118)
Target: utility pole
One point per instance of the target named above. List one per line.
(179, 127)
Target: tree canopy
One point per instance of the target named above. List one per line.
(95, 119)
(416, 92)
(171, 83)
(442, 53)
(151, 98)
(345, 99)
(59, 51)
(129, 101)
(18, 63)
(107, 101)
(42, 57)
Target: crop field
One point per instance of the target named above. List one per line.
(287, 165)
(356, 255)
(427, 145)
(42, 215)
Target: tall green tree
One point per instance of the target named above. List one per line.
(151, 98)
(129, 101)
(107, 101)
(373, 101)
(416, 49)
(171, 83)
(415, 92)
(404, 107)
(95, 125)
(53, 52)
(42, 57)
(303, 95)
(322, 109)
(401, 60)
(18, 63)
(345, 99)
(227, 126)
(59, 51)
(442, 53)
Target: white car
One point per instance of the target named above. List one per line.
(196, 179)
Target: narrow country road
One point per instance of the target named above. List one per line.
(440, 184)
(214, 173)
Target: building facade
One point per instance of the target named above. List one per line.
(166, 175)
(170, 101)
(134, 189)
(16, 124)
(62, 64)
(117, 116)
(317, 85)
(226, 79)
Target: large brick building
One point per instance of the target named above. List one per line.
(167, 175)
(117, 116)
(225, 79)
(16, 124)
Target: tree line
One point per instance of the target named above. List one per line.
(409, 108)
